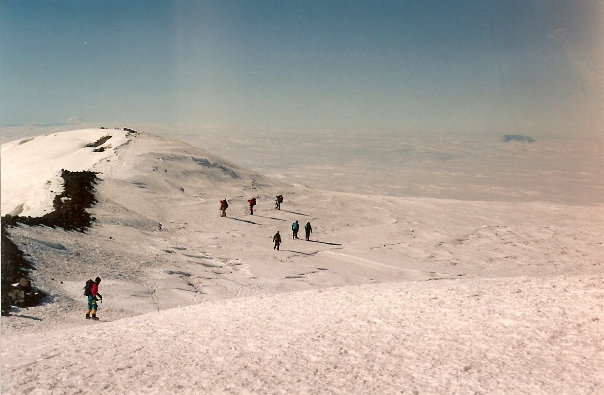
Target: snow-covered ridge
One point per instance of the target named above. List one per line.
(31, 167)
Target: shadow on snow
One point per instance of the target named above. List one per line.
(244, 220)
(276, 219)
(325, 242)
(300, 252)
(293, 212)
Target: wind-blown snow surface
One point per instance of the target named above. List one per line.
(517, 309)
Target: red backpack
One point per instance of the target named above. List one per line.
(87, 287)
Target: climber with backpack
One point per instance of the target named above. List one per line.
(252, 203)
(307, 230)
(278, 201)
(277, 240)
(295, 227)
(91, 290)
(223, 206)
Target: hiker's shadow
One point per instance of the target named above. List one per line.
(26, 316)
(245, 220)
(303, 253)
(325, 242)
(276, 219)
(293, 212)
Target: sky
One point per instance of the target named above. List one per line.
(432, 66)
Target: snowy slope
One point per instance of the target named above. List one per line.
(519, 335)
(31, 167)
(158, 243)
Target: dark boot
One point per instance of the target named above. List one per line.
(87, 316)
(94, 317)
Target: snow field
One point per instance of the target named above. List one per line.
(392, 294)
(515, 335)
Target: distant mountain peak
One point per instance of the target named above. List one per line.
(518, 137)
(73, 120)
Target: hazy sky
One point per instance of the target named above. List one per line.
(448, 66)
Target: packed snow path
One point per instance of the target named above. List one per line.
(512, 335)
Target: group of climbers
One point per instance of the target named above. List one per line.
(295, 228)
(277, 237)
(251, 202)
(92, 287)
(307, 230)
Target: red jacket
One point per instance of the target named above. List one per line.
(94, 290)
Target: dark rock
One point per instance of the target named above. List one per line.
(99, 142)
(130, 131)
(69, 207)
(69, 213)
